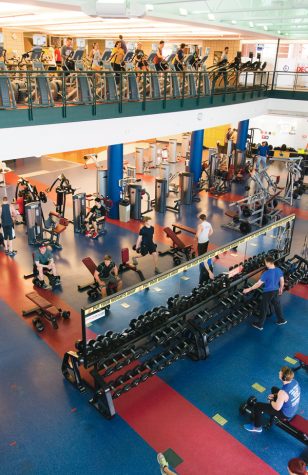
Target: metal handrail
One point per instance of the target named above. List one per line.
(255, 83)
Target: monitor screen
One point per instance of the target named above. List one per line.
(39, 40)
(81, 42)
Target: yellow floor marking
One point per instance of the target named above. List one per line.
(258, 387)
(219, 419)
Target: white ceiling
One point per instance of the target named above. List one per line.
(169, 19)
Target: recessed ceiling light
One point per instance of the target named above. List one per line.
(265, 27)
(251, 24)
(183, 11)
(297, 20)
(149, 7)
(211, 16)
(233, 22)
(278, 32)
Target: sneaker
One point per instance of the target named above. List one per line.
(12, 254)
(94, 235)
(257, 326)
(135, 261)
(162, 462)
(157, 271)
(252, 428)
(87, 233)
(43, 284)
(282, 322)
(6, 252)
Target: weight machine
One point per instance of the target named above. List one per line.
(63, 189)
(26, 193)
(135, 195)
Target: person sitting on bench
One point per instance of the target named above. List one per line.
(283, 403)
(96, 215)
(145, 244)
(206, 271)
(106, 275)
(43, 259)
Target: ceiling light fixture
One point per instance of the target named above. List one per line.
(183, 11)
(265, 27)
(211, 16)
(233, 22)
(251, 24)
(149, 7)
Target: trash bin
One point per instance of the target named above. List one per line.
(124, 211)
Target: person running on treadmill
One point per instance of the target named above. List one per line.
(179, 58)
(8, 214)
(145, 244)
(97, 212)
(106, 274)
(66, 51)
(283, 402)
(43, 259)
(159, 57)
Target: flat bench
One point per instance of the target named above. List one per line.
(297, 427)
(178, 249)
(181, 228)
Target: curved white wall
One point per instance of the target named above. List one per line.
(47, 139)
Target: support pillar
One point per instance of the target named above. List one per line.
(242, 134)
(115, 173)
(196, 149)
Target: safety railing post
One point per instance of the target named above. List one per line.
(183, 90)
(165, 90)
(199, 87)
(121, 93)
(63, 95)
(144, 89)
(94, 94)
(29, 93)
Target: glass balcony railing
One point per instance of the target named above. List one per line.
(33, 89)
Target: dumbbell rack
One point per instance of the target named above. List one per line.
(165, 335)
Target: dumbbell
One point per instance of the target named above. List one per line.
(79, 345)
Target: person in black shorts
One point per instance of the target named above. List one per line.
(8, 215)
(145, 244)
(97, 213)
(106, 274)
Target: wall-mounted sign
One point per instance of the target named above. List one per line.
(302, 69)
(260, 46)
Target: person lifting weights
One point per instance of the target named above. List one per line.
(106, 275)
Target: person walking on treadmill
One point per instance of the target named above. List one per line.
(145, 244)
(66, 51)
(223, 65)
(8, 214)
(204, 231)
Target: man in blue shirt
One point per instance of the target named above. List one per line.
(263, 151)
(206, 271)
(283, 402)
(273, 282)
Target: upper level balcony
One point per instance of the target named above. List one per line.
(40, 97)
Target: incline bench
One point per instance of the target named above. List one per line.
(181, 228)
(43, 308)
(178, 249)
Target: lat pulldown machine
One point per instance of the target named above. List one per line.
(63, 189)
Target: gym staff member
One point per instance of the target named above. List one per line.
(204, 231)
(284, 402)
(273, 282)
(43, 258)
(107, 273)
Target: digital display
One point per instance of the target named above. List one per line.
(81, 42)
(39, 40)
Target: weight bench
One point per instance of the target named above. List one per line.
(44, 309)
(125, 265)
(303, 361)
(178, 249)
(181, 228)
(56, 228)
(297, 427)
